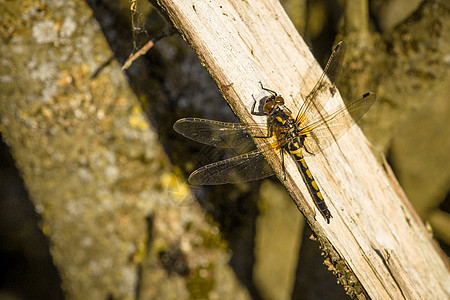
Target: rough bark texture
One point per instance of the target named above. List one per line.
(94, 168)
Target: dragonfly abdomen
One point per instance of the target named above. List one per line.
(296, 151)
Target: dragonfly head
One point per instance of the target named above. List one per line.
(271, 102)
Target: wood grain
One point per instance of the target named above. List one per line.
(374, 238)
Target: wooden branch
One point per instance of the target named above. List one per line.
(373, 236)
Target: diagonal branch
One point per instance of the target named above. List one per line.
(370, 237)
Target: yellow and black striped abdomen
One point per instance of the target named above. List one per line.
(296, 151)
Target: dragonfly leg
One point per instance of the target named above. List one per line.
(253, 111)
(306, 149)
(283, 166)
(268, 90)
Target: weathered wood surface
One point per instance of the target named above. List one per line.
(374, 232)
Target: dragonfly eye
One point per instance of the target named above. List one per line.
(268, 107)
(279, 99)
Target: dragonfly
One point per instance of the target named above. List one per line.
(312, 130)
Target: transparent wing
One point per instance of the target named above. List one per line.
(216, 133)
(329, 127)
(242, 168)
(323, 90)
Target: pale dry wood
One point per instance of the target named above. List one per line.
(377, 235)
